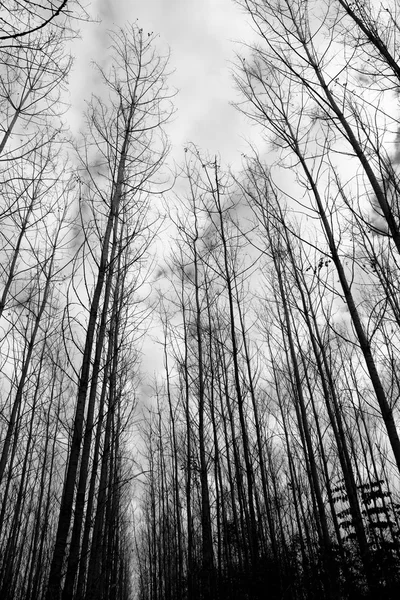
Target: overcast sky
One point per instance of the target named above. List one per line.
(203, 38)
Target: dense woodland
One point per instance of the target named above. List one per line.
(265, 461)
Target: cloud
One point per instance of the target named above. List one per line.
(200, 36)
(106, 11)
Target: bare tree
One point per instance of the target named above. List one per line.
(124, 149)
(327, 120)
(20, 21)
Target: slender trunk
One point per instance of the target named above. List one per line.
(229, 280)
(207, 543)
(35, 555)
(188, 490)
(73, 557)
(263, 466)
(177, 500)
(331, 582)
(65, 514)
(26, 366)
(385, 409)
(81, 582)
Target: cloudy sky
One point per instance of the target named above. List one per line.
(203, 38)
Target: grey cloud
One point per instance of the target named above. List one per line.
(107, 11)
